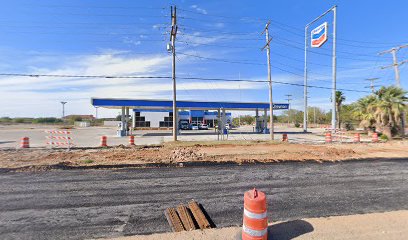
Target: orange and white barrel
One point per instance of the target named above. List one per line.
(328, 137)
(104, 140)
(131, 140)
(255, 221)
(357, 137)
(375, 137)
(284, 137)
(25, 142)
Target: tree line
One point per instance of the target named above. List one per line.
(380, 111)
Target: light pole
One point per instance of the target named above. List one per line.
(334, 67)
(63, 108)
(96, 112)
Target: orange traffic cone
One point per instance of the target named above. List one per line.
(104, 139)
(25, 142)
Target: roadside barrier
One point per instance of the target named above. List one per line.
(255, 221)
(328, 137)
(131, 140)
(59, 138)
(375, 137)
(104, 140)
(25, 142)
(356, 138)
(284, 137)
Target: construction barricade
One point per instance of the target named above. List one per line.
(255, 221)
(356, 138)
(328, 137)
(25, 142)
(59, 138)
(132, 140)
(374, 137)
(104, 140)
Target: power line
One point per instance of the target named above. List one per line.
(285, 27)
(168, 77)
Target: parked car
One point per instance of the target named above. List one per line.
(194, 126)
(184, 126)
(203, 126)
(228, 126)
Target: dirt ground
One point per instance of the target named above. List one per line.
(389, 225)
(181, 154)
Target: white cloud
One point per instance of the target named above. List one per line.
(40, 96)
(198, 9)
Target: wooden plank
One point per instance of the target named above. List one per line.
(174, 220)
(185, 217)
(199, 216)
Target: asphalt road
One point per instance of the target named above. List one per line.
(78, 204)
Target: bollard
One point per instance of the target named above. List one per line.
(357, 137)
(25, 142)
(375, 137)
(284, 137)
(328, 137)
(104, 141)
(255, 221)
(132, 140)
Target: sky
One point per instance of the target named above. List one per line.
(216, 39)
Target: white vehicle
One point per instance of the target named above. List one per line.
(194, 126)
(228, 126)
(203, 126)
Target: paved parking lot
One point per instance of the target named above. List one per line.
(90, 137)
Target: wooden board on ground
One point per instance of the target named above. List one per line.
(174, 220)
(184, 214)
(199, 216)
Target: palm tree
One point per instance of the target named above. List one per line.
(362, 111)
(340, 98)
(387, 109)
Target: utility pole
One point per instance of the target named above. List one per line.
(334, 68)
(289, 99)
(63, 108)
(173, 51)
(396, 65)
(372, 86)
(268, 54)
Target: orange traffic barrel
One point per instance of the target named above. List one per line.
(103, 141)
(131, 140)
(255, 221)
(375, 137)
(328, 137)
(284, 137)
(25, 142)
(357, 137)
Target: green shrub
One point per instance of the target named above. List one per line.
(88, 161)
(384, 137)
(47, 120)
(297, 125)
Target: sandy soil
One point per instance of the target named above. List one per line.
(182, 153)
(389, 225)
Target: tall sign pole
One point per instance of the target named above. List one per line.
(268, 54)
(173, 51)
(63, 108)
(321, 37)
(334, 69)
(305, 82)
